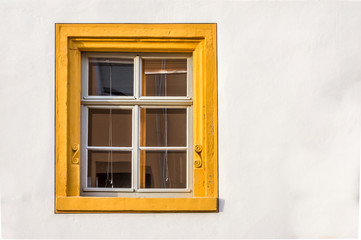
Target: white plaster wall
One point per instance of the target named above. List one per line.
(289, 77)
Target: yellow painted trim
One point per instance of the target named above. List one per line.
(133, 45)
(102, 204)
(198, 39)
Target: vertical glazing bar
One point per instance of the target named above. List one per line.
(142, 142)
(190, 124)
(84, 144)
(142, 80)
(189, 77)
(135, 152)
(141, 126)
(84, 74)
(137, 80)
(189, 147)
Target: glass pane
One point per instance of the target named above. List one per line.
(163, 169)
(164, 77)
(163, 127)
(109, 169)
(110, 127)
(111, 77)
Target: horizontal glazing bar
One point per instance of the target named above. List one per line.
(165, 72)
(164, 148)
(108, 190)
(150, 190)
(99, 60)
(164, 98)
(110, 148)
(165, 55)
(122, 98)
(154, 102)
(111, 107)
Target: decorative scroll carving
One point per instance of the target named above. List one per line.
(198, 160)
(75, 159)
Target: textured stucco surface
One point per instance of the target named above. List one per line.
(289, 81)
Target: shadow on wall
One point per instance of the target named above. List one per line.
(221, 204)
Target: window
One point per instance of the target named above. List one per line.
(136, 123)
(136, 118)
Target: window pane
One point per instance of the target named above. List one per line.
(108, 169)
(110, 127)
(111, 77)
(164, 77)
(162, 127)
(163, 169)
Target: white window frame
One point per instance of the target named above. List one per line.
(135, 103)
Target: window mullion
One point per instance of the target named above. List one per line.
(135, 161)
(135, 147)
(144, 102)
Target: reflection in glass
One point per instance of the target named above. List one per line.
(109, 169)
(164, 77)
(111, 77)
(163, 127)
(110, 127)
(163, 169)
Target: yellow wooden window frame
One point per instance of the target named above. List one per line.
(71, 41)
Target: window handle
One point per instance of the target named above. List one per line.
(75, 148)
(198, 160)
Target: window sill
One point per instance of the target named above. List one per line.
(107, 204)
